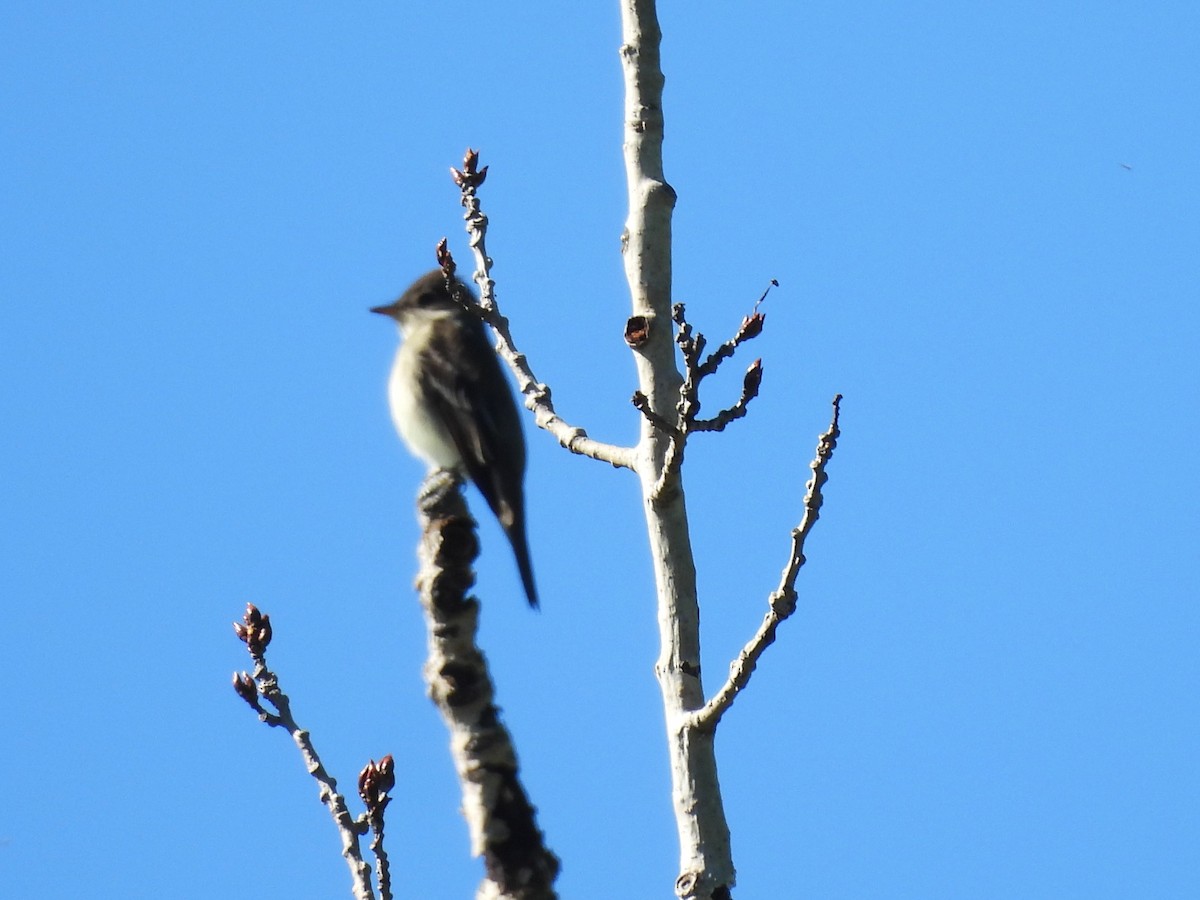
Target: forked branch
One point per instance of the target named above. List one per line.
(691, 345)
(255, 632)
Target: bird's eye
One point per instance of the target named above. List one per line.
(426, 299)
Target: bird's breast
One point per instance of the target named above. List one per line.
(416, 420)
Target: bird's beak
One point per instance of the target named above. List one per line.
(384, 310)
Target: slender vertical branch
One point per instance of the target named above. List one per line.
(706, 865)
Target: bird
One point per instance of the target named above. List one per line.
(452, 406)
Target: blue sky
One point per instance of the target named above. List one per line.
(989, 689)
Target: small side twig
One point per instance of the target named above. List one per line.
(255, 631)
(751, 382)
(751, 327)
(782, 601)
(692, 345)
(695, 371)
(537, 394)
(642, 404)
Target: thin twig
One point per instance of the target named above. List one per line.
(782, 602)
(751, 382)
(255, 631)
(537, 395)
(642, 404)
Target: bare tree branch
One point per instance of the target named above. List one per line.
(255, 631)
(537, 395)
(499, 816)
(782, 602)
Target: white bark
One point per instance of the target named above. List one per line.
(706, 864)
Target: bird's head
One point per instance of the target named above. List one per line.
(426, 299)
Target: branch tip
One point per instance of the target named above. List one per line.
(254, 630)
(445, 259)
(470, 176)
(244, 687)
(753, 380)
(752, 326)
(374, 782)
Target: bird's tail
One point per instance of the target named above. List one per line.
(520, 545)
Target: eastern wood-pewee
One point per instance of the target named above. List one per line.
(453, 407)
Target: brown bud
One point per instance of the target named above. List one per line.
(375, 780)
(254, 630)
(752, 327)
(366, 782)
(470, 176)
(245, 688)
(387, 773)
(752, 380)
(445, 259)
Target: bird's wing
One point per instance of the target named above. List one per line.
(463, 382)
(462, 379)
